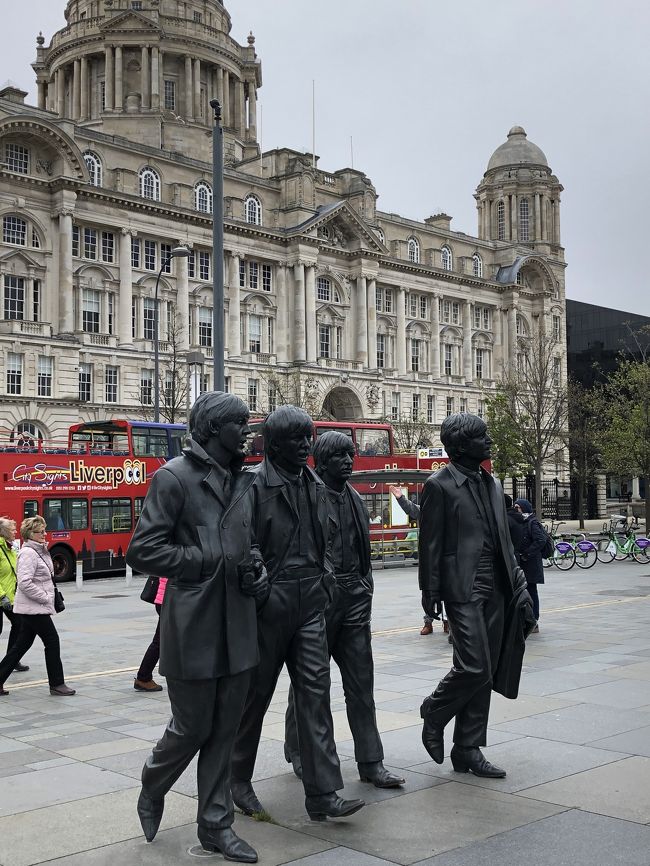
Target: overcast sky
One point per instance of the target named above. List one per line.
(427, 89)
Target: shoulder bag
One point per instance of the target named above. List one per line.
(150, 589)
(59, 603)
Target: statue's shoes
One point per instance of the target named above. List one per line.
(228, 843)
(245, 798)
(379, 776)
(150, 813)
(322, 806)
(472, 760)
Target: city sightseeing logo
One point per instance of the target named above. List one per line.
(79, 473)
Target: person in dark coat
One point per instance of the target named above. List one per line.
(291, 527)
(530, 553)
(467, 561)
(195, 528)
(516, 524)
(348, 616)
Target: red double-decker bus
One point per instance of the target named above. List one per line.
(89, 489)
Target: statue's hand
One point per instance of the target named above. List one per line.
(431, 604)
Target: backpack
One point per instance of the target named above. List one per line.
(549, 545)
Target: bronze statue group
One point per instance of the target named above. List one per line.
(271, 567)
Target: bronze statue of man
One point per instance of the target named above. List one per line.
(291, 528)
(466, 560)
(195, 529)
(348, 616)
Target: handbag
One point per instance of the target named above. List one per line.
(59, 604)
(150, 589)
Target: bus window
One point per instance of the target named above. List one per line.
(256, 440)
(138, 502)
(120, 443)
(30, 508)
(150, 442)
(111, 515)
(325, 429)
(65, 514)
(177, 442)
(371, 443)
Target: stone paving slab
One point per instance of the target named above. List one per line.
(635, 742)
(626, 694)
(581, 724)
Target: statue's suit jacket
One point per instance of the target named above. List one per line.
(192, 534)
(452, 533)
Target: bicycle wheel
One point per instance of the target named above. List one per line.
(621, 553)
(564, 556)
(586, 554)
(641, 551)
(605, 550)
(547, 563)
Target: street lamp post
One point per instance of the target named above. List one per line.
(217, 249)
(176, 253)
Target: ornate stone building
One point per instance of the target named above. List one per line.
(376, 314)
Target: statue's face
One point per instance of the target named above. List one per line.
(339, 466)
(291, 451)
(233, 435)
(478, 447)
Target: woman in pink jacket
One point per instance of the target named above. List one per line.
(144, 681)
(34, 605)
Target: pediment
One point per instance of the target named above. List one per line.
(18, 257)
(339, 226)
(130, 21)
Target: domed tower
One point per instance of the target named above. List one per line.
(147, 70)
(518, 199)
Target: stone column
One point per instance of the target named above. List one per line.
(537, 232)
(156, 65)
(372, 324)
(189, 98)
(183, 303)
(500, 350)
(65, 287)
(76, 90)
(400, 347)
(514, 222)
(299, 332)
(512, 334)
(362, 321)
(220, 89)
(119, 80)
(543, 201)
(252, 111)
(310, 314)
(40, 86)
(556, 222)
(283, 323)
(145, 78)
(85, 90)
(240, 108)
(468, 372)
(234, 312)
(197, 89)
(226, 98)
(435, 336)
(109, 78)
(60, 91)
(125, 337)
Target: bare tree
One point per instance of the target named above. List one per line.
(532, 401)
(172, 377)
(290, 386)
(586, 410)
(411, 432)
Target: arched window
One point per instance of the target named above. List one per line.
(524, 220)
(447, 258)
(381, 235)
(413, 250)
(203, 197)
(26, 435)
(150, 184)
(20, 232)
(94, 165)
(522, 326)
(253, 210)
(477, 265)
(501, 221)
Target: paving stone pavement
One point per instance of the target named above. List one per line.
(576, 744)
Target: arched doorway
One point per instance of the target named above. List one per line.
(342, 404)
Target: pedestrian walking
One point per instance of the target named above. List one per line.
(516, 525)
(8, 584)
(530, 553)
(144, 681)
(34, 607)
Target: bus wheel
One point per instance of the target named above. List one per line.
(64, 565)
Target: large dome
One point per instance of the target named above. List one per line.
(517, 150)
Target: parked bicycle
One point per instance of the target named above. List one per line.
(621, 541)
(564, 553)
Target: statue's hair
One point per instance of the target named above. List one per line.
(283, 422)
(456, 430)
(213, 409)
(329, 444)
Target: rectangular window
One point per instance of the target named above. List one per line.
(36, 300)
(270, 334)
(242, 274)
(150, 255)
(146, 387)
(170, 95)
(112, 381)
(75, 241)
(455, 313)
(65, 513)
(44, 383)
(413, 306)
(17, 158)
(108, 247)
(170, 310)
(191, 265)
(252, 395)
(480, 410)
(110, 515)
(416, 346)
(90, 311)
(14, 231)
(463, 404)
(557, 327)
(556, 372)
(14, 373)
(273, 397)
(110, 303)
(102, 96)
(255, 334)
(90, 244)
(431, 409)
(323, 289)
(226, 384)
(324, 341)
(197, 17)
(379, 299)
(423, 307)
(14, 305)
(85, 382)
(479, 366)
(449, 359)
(415, 406)
(388, 301)
(135, 252)
(394, 406)
(267, 278)
(445, 311)
(253, 275)
(204, 266)
(205, 326)
(134, 318)
(487, 319)
(381, 351)
(477, 318)
(339, 343)
(136, 5)
(149, 318)
(165, 260)
(450, 406)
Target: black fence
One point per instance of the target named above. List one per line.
(559, 498)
